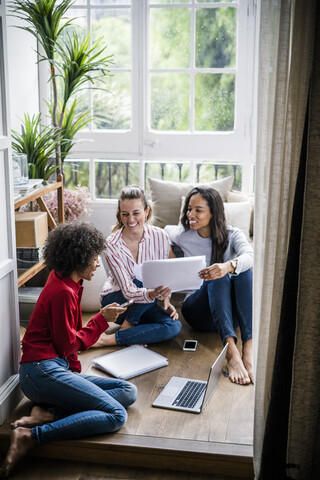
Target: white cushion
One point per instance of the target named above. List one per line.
(238, 214)
(243, 197)
(166, 197)
(90, 301)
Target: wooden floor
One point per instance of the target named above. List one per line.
(214, 444)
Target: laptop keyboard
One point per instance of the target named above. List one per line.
(190, 394)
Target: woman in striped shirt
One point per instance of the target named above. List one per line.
(133, 242)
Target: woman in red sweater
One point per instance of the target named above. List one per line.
(68, 404)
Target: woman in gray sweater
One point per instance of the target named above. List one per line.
(224, 299)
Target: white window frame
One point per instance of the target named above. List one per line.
(143, 144)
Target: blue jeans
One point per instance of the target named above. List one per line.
(151, 323)
(82, 405)
(134, 312)
(219, 304)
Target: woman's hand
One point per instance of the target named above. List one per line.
(160, 293)
(215, 271)
(170, 309)
(111, 312)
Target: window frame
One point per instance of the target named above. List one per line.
(142, 144)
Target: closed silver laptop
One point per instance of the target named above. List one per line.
(189, 395)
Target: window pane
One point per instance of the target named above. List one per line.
(80, 2)
(207, 172)
(79, 22)
(216, 1)
(216, 37)
(160, 2)
(214, 102)
(114, 25)
(170, 101)
(112, 176)
(170, 37)
(76, 173)
(112, 106)
(174, 172)
(111, 2)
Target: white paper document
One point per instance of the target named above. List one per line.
(130, 362)
(176, 273)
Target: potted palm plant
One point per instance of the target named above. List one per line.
(74, 62)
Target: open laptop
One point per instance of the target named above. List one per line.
(188, 395)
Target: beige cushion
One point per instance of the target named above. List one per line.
(166, 197)
(243, 197)
(238, 214)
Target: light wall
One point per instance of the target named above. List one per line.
(103, 215)
(22, 72)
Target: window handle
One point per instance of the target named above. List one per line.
(151, 143)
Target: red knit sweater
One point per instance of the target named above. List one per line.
(55, 327)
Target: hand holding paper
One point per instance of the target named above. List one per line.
(175, 273)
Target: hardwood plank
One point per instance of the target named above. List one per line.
(142, 451)
(43, 207)
(241, 415)
(39, 192)
(31, 272)
(49, 469)
(220, 405)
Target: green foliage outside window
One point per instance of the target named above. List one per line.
(170, 90)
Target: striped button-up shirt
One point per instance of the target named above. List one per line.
(154, 245)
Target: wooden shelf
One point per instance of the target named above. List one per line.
(37, 196)
(31, 272)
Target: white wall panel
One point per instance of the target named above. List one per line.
(22, 72)
(7, 320)
(4, 251)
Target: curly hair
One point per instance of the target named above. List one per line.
(218, 226)
(72, 246)
(129, 193)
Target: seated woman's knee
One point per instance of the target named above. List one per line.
(175, 328)
(131, 392)
(120, 417)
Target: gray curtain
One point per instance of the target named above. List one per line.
(282, 315)
(303, 452)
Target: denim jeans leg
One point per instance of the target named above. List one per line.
(220, 301)
(115, 297)
(89, 409)
(209, 309)
(122, 391)
(242, 293)
(134, 312)
(155, 326)
(196, 310)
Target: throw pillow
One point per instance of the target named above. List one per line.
(243, 197)
(238, 214)
(166, 198)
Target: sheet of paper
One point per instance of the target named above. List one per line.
(176, 273)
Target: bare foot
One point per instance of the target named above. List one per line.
(21, 442)
(247, 358)
(38, 416)
(105, 341)
(126, 325)
(237, 371)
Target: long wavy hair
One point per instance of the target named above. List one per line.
(129, 193)
(218, 226)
